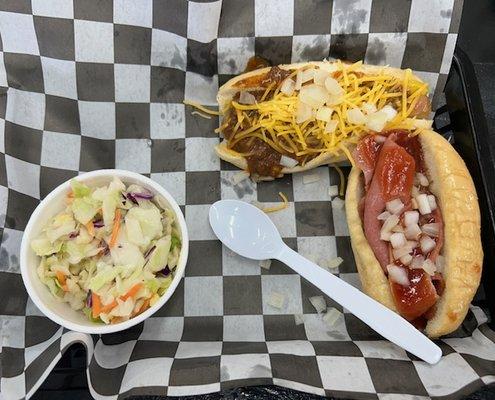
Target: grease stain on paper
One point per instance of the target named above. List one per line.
(349, 17)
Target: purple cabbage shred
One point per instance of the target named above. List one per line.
(143, 195)
(89, 300)
(131, 197)
(165, 271)
(98, 224)
(73, 235)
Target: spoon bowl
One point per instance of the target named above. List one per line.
(245, 229)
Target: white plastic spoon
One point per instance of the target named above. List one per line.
(248, 231)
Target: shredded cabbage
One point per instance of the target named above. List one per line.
(79, 189)
(159, 257)
(111, 253)
(44, 247)
(84, 209)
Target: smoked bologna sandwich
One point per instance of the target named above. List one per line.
(414, 223)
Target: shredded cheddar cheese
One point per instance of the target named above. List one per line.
(202, 115)
(342, 180)
(201, 108)
(282, 206)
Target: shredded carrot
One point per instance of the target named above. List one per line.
(61, 277)
(116, 320)
(132, 291)
(115, 229)
(90, 227)
(106, 309)
(98, 308)
(70, 198)
(96, 305)
(144, 307)
(65, 288)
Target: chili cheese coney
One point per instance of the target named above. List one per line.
(291, 118)
(414, 223)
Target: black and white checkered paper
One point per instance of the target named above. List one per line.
(91, 84)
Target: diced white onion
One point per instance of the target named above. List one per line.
(299, 82)
(411, 218)
(338, 203)
(331, 126)
(429, 267)
(308, 75)
(412, 231)
(379, 139)
(385, 235)
(333, 190)
(383, 216)
(417, 262)
(355, 116)
(432, 202)
(394, 206)
(331, 317)
(334, 262)
(401, 252)
(320, 76)
(318, 302)
(427, 244)
(368, 108)
(246, 98)
(298, 319)
(288, 86)
(398, 228)
(398, 275)
(328, 66)
(303, 112)
(333, 87)
(415, 191)
(422, 179)
(412, 244)
(423, 204)
(406, 259)
(313, 95)
(312, 178)
(389, 111)
(288, 162)
(440, 264)
(276, 300)
(239, 177)
(389, 223)
(432, 229)
(324, 114)
(376, 121)
(397, 240)
(265, 264)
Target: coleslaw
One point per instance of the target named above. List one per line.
(111, 253)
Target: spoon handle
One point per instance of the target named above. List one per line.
(384, 321)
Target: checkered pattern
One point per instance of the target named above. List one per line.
(87, 84)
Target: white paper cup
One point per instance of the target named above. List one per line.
(62, 313)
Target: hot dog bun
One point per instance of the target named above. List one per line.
(247, 81)
(454, 189)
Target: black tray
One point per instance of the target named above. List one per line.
(472, 141)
